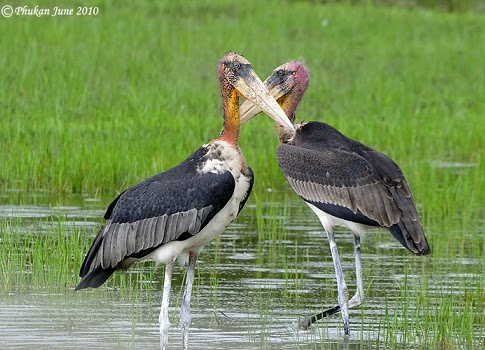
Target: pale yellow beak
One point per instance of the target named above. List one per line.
(260, 99)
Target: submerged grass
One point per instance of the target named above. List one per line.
(31, 261)
(46, 255)
(431, 301)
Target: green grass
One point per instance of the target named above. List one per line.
(33, 261)
(92, 105)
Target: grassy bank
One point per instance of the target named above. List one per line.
(90, 103)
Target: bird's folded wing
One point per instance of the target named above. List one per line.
(159, 210)
(340, 178)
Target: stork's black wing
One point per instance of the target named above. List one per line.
(345, 184)
(173, 205)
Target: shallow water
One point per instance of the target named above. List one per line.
(251, 287)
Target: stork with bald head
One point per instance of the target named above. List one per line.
(177, 212)
(343, 181)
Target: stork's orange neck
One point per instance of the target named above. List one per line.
(230, 106)
(288, 105)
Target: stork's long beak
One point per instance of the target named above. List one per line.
(248, 109)
(253, 89)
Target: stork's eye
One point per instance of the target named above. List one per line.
(280, 73)
(236, 65)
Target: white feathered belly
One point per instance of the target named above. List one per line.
(328, 221)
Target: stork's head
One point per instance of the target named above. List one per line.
(287, 84)
(237, 77)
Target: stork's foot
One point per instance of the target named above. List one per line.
(308, 321)
(355, 301)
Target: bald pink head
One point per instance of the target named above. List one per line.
(237, 78)
(229, 67)
(291, 79)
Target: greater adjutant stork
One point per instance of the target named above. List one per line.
(179, 211)
(343, 181)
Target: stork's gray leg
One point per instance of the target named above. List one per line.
(358, 298)
(343, 298)
(163, 318)
(185, 308)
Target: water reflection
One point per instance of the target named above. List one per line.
(251, 286)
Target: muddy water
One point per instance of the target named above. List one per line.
(251, 287)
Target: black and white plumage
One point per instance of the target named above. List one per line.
(351, 182)
(167, 214)
(177, 212)
(343, 181)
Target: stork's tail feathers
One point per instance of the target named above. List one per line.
(410, 234)
(95, 278)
